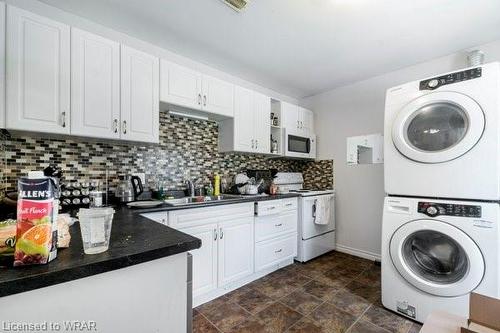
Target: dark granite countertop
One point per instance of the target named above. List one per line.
(134, 240)
(241, 199)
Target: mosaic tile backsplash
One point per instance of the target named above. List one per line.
(187, 148)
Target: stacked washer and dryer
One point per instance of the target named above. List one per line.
(440, 233)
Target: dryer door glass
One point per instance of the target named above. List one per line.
(435, 257)
(436, 126)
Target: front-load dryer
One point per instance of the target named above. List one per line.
(435, 252)
(442, 136)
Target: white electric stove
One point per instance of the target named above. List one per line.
(314, 237)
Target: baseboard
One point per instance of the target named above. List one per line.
(358, 253)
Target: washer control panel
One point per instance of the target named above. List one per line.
(433, 209)
(436, 82)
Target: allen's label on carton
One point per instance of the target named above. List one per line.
(36, 231)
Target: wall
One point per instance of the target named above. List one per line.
(358, 109)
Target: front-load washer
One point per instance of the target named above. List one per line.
(435, 252)
(442, 136)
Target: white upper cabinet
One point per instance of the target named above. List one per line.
(243, 121)
(262, 123)
(180, 85)
(95, 85)
(249, 131)
(290, 116)
(2, 65)
(140, 103)
(297, 119)
(306, 118)
(218, 96)
(38, 73)
(190, 89)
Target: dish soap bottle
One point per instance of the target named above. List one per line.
(216, 185)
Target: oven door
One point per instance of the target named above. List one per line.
(298, 145)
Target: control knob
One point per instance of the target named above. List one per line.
(433, 83)
(432, 211)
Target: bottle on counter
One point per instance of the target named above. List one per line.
(217, 185)
(209, 190)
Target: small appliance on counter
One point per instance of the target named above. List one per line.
(129, 189)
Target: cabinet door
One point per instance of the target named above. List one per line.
(290, 115)
(262, 123)
(140, 103)
(306, 121)
(236, 253)
(218, 96)
(2, 65)
(38, 73)
(95, 85)
(180, 85)
(204, 258)
(243, 121)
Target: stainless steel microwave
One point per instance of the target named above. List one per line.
(299, 145)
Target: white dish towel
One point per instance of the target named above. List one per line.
(322, 213)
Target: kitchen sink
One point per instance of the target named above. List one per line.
(201, 199)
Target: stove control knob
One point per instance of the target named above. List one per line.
(433, 83)
(432, 211)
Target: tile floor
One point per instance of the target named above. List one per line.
(333, 293)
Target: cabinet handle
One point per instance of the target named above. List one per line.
(278, 225)
(221, 233)
(289, 204)
(124, 127)
(301, 124)
(63, 116)
(199, 99)
(115, 125)
(253, 144)
(215, 234)
(204, 100)
(298, 124)
(256, 143)
(271, 208)
(278, 251)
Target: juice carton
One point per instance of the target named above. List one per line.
(36, 231)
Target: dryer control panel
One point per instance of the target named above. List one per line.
(434, 209)
(436, 82)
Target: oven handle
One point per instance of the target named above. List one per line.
(314, 208)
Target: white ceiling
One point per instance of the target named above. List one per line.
(301, 47)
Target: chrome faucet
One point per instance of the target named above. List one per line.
(190, 187)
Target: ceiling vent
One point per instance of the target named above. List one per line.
(237, 5)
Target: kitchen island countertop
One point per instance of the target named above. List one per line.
(134, 240)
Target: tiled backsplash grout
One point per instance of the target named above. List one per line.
(186, 146)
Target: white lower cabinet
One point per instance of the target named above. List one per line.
(235, 249)
(271, 252)
(204, 258)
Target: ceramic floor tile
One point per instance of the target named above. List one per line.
(333, 278)
(250, 325)
(332, 318)
(214, 304)
(254, 301)
(319, 289)
(277, 289)
(363, 326)
(370, 276)
(226, 316)
(386, 319)
(278, 317)
(301, 302)
(307, 325)
(369, 292)
(415, 328)
(236, 294)
(349, 302)
(202, 325)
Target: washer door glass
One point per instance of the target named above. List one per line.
(437, 257)
(438, 127)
